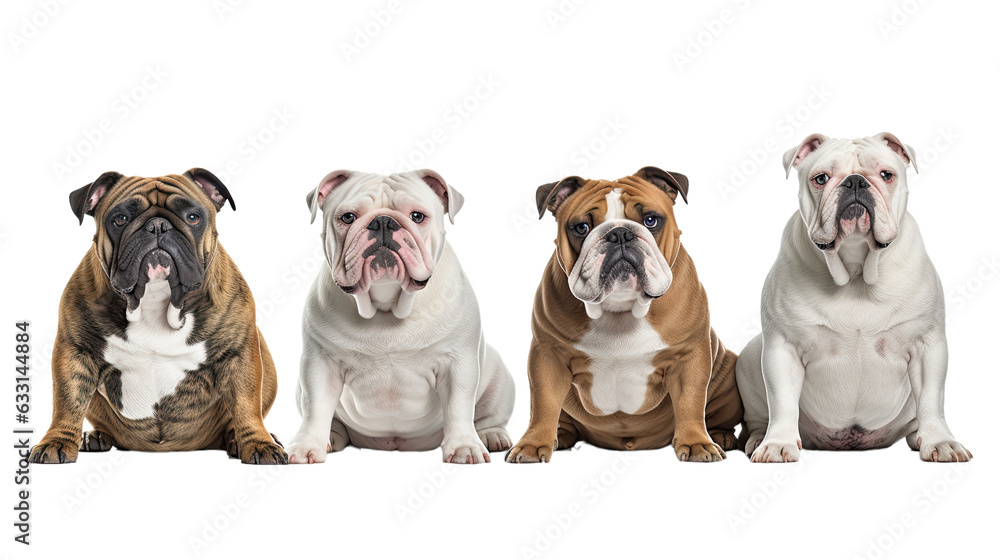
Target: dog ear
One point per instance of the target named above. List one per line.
(315, 197)
(450, 198)
(84, 199)
(902, 150)
(794, 157)
(551, 195)
(669, 182)
(211, 186)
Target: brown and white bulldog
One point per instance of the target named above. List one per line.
(157, 344)
(623, 355)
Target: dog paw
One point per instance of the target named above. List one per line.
(752, 443)
(495, 439)
(725, 439)
(771, 451)
(528, 451)
(464, 450)
(96, 441)
(943, 451)
(56, 451)
(262, 453)
(699, 452)
(306, 450)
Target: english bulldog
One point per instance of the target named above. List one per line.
(853, 352)
(392, 357)
(157, 344)
(623, 355)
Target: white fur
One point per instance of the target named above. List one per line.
(616, 208)
(154, 356)
(418, 366)
(850, 339)
(621, 349)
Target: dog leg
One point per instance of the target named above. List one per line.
(74, 382)
(95, 440)
(496, 404)
(240, 381)
(750, 380)
(782, 372)
(927, 373)
(340, 438)
(686, 386)
(319, 390)
(457, 386)
(549, 380)
(566, 434)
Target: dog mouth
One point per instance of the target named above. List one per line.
(150, 258)
(855, 216)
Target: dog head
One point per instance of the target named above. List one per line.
(617, 239)
(153, 229)
(851, 188)
(383, 229)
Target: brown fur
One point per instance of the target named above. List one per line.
(691, 402)
(221, 403)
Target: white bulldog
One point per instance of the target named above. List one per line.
(382, 367)
(853, 352)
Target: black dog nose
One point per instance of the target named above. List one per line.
(619, 234)
(383, 223)
(382, 228)
(158, 225)
(855, 182)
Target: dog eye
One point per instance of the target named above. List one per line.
(886, 176)
(651, 221)
(417, 217)
(821, 179)
(581, 228)
(193, 218)
(121, 219)
(348, 217)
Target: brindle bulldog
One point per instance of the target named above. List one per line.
(157, 344)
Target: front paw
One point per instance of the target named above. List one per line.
(467, 450)
(262, 453)
(529, 450)
(699, 452)
(776, 451)
(943, 451)
(308, 449)
(56, 451)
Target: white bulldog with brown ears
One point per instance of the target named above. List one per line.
(853, 352)
(393, 351)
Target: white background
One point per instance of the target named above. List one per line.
(770, 75)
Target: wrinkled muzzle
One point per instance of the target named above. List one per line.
(378, 247)
(619, 257)
(155, 251)
(854, 207)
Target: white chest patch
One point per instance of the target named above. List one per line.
(154, 357)
(621, 349)
(616, 208)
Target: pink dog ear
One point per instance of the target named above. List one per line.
(794, 157)
(212, 187)
(84, 199)
(907, 153)
(550, 196)
(450, 198)
(315, 197)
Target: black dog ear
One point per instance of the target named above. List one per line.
(551, 195)
(84, 199)
(212, 186)
(669, 182)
